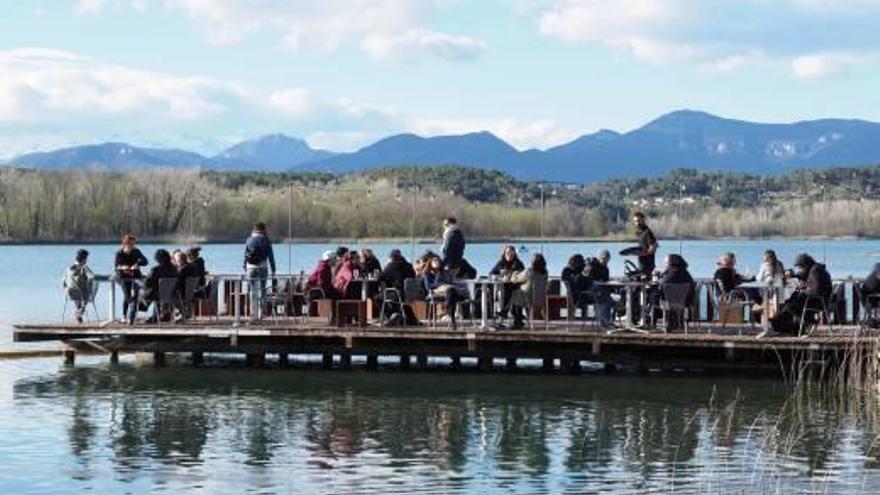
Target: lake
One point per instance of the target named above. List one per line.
(132, 428)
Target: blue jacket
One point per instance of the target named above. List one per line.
(257, 250)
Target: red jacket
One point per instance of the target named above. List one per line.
(344, 275)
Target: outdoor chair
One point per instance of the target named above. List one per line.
(732, 305)
(391, 299)
(89, 294)
(582, 303)
(169, 299)
(676, 300)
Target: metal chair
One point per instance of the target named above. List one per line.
(736, 299)
(282, 297)
(582, 302)
(391, 298)
(676, 299)
(870, 317)
(819, 309)
(169, 298)
(90, 292)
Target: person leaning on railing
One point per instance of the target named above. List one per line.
(127, 264)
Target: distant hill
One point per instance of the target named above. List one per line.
(116, 156)
(272, 153)
(685, 138)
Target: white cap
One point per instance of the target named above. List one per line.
(328, 255)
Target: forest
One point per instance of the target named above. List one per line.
(171, 204)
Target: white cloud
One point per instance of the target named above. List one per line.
(542, 133)
(88, 7)
(819, 65)
(41, 84)
(292, 101)
(382, 28)
(417, 41)
(734, 62)
(645, 28)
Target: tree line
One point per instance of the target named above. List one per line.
(98, 205)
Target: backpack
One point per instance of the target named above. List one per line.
(77, 279)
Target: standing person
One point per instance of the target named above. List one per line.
(507, 266)
(78, 282)
(128, 263)
(647, 245)
(453, 244)
(259, 259)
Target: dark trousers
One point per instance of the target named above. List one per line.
(506, 291)
(130, 292)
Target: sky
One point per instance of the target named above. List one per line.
(205, 74)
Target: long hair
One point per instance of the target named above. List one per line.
(539, 264)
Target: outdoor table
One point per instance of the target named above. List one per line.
(629, 286)
(766, 290)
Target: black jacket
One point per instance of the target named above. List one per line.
(395, 273)
(503, 265)
(151, 284)
(597, 272)
(818, 282)
(135, 257)
(453, 248)
(188, 271)
(871, 285)
(370, 265)
(728, 278)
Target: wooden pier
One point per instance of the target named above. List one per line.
(558, 347)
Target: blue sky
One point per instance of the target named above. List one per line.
(203, 74)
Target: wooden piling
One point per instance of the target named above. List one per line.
(69, 357)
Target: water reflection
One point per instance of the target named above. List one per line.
(428, 432)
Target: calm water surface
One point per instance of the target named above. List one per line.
(224, 429)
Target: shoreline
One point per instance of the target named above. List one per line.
(419, 241)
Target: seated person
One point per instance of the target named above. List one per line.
(345, 273)
(439, 284)
(729, 279)
(78, 282)
(596, 273)
(195, 260)
(322, 277)
(185, 270)
(676, 272)
(396, 271)
(814, 290)
(870, 287)
(573, 277)
(531, 291)
(164, 268)
(423, 262)
(771, 271)
(505, 267)
(370, 265)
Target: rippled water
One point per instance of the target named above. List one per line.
(134, 428)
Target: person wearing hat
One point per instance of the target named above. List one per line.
(814, 290)
(322, 276)
(78, 280)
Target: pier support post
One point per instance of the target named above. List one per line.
(69, 357)
(372, 361)
(404, 361)
(456, 363)
(114, 357)
(158, 359)
(345, 360)
(571, 365)
(484, 363)
(422, 361)
(327, 361)
(198, 358)
(256, 360)
(510, 363)
(548, 365)
(283, 359)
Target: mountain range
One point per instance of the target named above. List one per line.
(684, 138)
